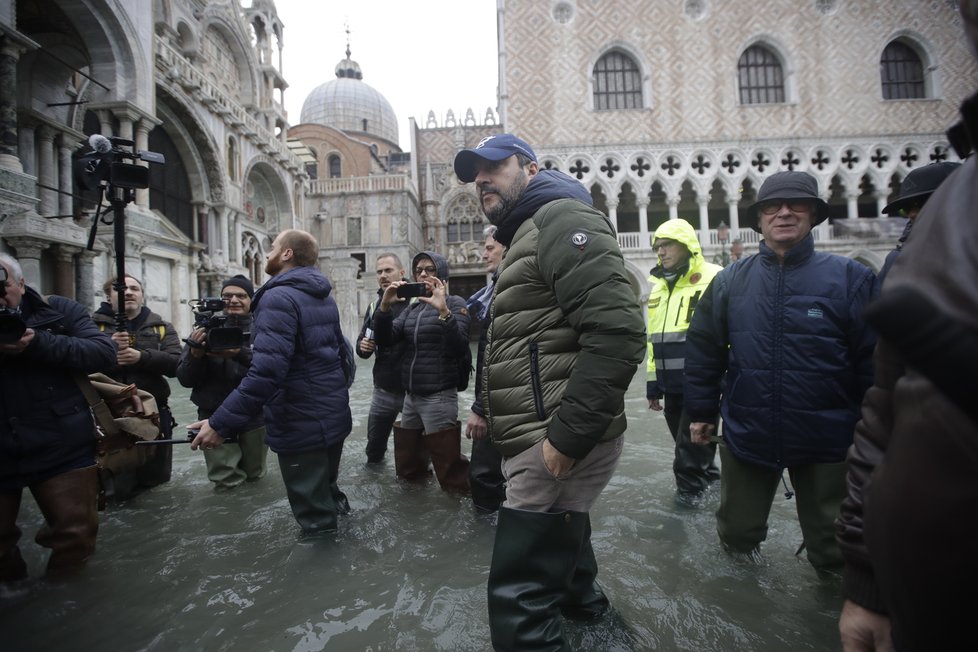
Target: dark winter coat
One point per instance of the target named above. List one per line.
(787, 348)
(907, 528)
(432, 346)
(211, 378)
(46, 427)
(387, 363)
(295, 371)
(158, 344)
(566, 335)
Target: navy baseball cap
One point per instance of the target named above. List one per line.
(490, 148)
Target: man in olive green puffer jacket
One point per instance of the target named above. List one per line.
(566, 337)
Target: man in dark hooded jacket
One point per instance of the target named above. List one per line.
(296, 374)
(47, 437)
(435, 331)
(566, 336)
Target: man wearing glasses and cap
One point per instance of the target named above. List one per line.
(565, 338)
(779, 349)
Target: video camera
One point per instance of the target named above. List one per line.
(12, 325)
(223, 331)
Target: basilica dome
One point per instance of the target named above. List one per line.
(351, 105)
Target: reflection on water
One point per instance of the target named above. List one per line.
(180, 567)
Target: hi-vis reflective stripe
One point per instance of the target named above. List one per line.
(667, 364)
(673, 337)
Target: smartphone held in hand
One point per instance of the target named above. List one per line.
(409, 290)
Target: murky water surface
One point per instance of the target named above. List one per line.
(182, 567)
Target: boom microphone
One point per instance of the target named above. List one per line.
(100, 143)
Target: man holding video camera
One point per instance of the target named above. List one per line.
(435, 329)
(212, 367)
(47, 436)
(148, 352)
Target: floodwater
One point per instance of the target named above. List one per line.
(182, 567)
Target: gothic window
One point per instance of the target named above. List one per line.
(617, 82)
(465, 220)
(169, 187)
(334, 167)
(901, 73)
(760, 76)
(251, 257)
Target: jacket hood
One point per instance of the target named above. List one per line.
(682, 232)
(440, 262)
(305, 279)
(544, 187)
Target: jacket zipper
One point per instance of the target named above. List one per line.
(535, 380)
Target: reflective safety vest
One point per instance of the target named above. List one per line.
(669, 313)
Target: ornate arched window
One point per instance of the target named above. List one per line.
(616, 82)
(335, 171)
(760, 76)
(252, 258)
(465, 220)
(901, 73)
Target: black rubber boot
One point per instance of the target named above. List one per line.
(486, 476)
(533, 561)
(12, 566)
(585, 599)
(335, 452)
(307, 482)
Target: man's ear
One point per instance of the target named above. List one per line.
(531, 169)
(287, 254)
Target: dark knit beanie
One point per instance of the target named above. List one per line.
(242, 282)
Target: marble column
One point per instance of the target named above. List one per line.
(733, 218)
(9, 145)
(47, 172)
(29, 256)
(142, 143)
(85, 279)
(852, 205)
(673, 204)
(613, 214)
(64, 178)
(643, 223)
(704, 205)
(25, 148)
(64, 270)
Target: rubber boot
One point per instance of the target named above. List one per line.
(378, 434)
(306, 477)
(533, 560)
(410, 455)
(159, 467)
(486, 476)
(69, 503)
(585, 599)
(451, 467)
(12, 566)
(335, 452)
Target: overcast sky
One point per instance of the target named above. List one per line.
(422, 56)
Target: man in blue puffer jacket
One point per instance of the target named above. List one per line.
(779, 347)
(297, 376)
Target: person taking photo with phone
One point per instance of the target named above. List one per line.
(435, 330)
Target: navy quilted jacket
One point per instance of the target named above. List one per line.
(295, 368)
(432, 347)
(787, 349)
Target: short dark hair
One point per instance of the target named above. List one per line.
(391, 254)
(109, 283)
(305, 249)
(523, 159)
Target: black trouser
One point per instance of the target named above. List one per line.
(486, 475)
(693, 464)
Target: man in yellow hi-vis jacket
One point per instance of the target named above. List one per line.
(677, 283)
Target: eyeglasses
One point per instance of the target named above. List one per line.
(240, 296)
(663, 244)
(430, 270)
(794, 205)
